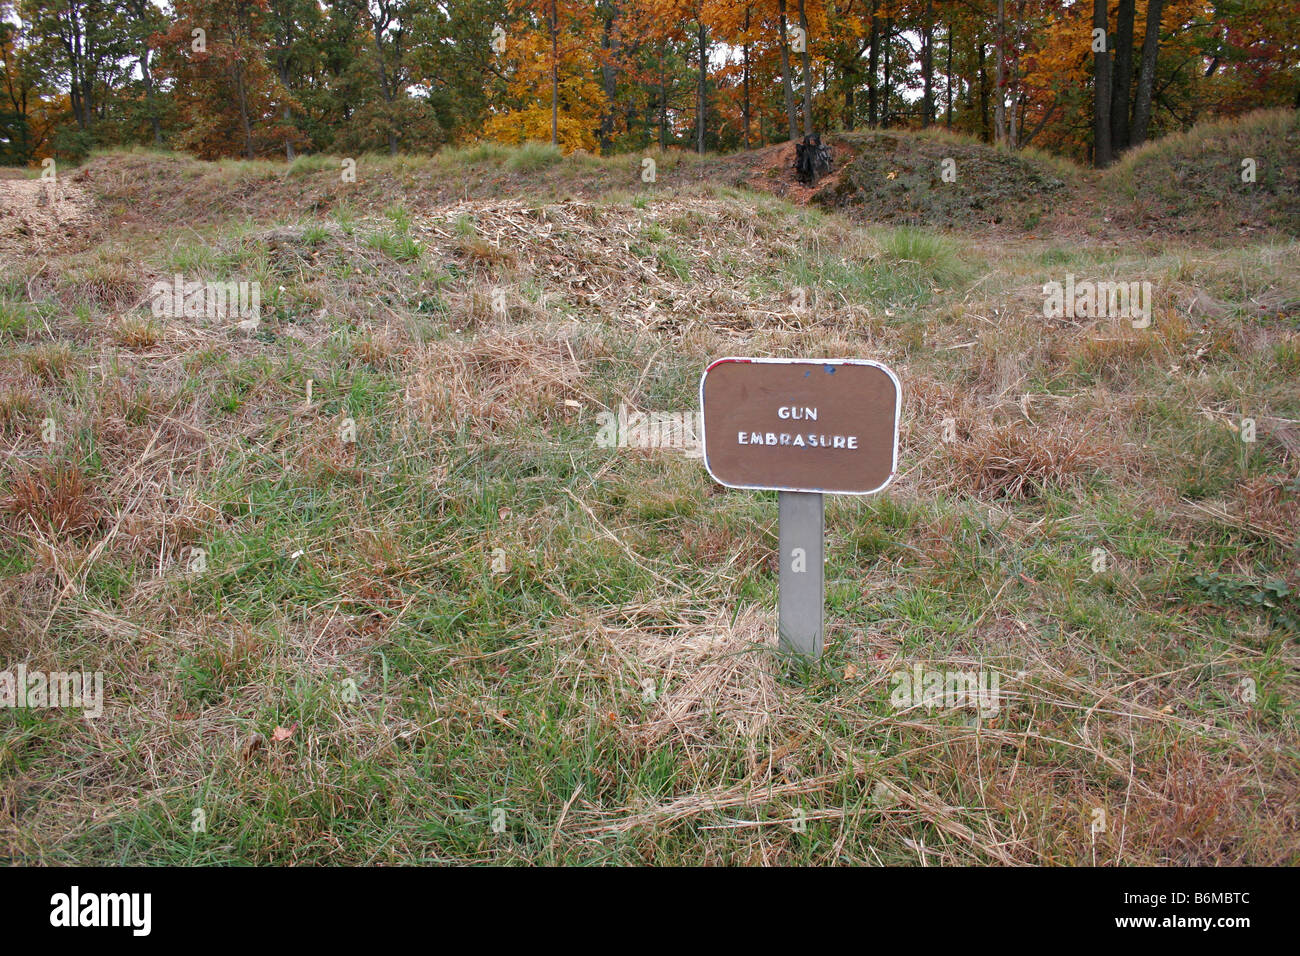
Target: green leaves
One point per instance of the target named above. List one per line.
(1272, 597)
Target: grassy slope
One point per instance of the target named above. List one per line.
(901, 177)
(610, 689)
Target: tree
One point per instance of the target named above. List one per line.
(1000, 104)
(786, 84)
(701, 99)
(873, 60)
(275, 77)
(553, 85)
(927, 65)
(843, 41)
(388, 34)
(1123, 76)
(79, 44)
(293, 26)
(609, 13)
(21, 138)
(1147, 73)
(805, 59)
(228, 97)
(1101, 85)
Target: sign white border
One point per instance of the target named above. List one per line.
(898, 408)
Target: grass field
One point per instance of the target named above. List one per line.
(425, 617)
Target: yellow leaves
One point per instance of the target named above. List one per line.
(533, 124)
(540, 64)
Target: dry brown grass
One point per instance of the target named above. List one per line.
(480, 252)
(1117, 353)
(136, 333)
(1019, 461)
(18, 406)
(39, 215)
(377, 349)
(104, 283)
(711, 678)
(613, 260)
(496, 380)
(50, 362)
(54, 499)
(1265, 505)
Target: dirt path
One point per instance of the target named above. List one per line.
(38, 214)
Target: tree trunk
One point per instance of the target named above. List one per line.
(701, 99)
(288, 139)
(663, 104)
(555, 73)
(884, 92)
(1146, 74)
(873, 62)
(927, 65)
(139, 10)
(1017, 96)
(849, 118)
(384, 87)
(241, 95)
(1123, 79)
(1000, 104)
(1101, 87)
(285, 115)
(805, 59)
(786, 85)
(948, 78)
(78, 94)
(745, 108)
(609, 80)
(146, 75)
(984, 91)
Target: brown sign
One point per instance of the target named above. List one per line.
(819, 425)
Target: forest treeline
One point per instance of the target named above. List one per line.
(1082, 78)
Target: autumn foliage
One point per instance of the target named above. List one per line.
(280, 77)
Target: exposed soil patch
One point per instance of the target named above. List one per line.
(771, 170)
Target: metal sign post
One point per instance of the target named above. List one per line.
(802, 579)
(805, 428)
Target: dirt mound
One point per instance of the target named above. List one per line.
(140, 189)
(39, 214)
(938, 180)
(1190, 183)
(1225, 177)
